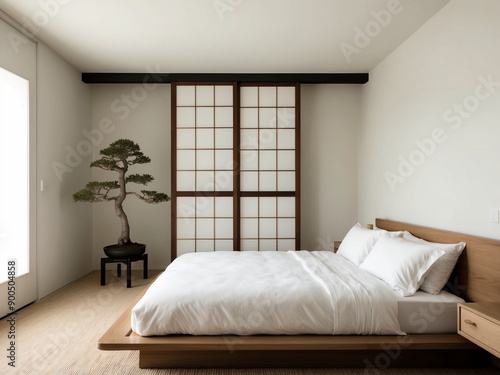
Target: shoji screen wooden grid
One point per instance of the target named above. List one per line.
(235, 167)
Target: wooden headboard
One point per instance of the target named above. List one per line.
(476, 277)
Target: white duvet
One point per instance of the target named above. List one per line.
(279, 293)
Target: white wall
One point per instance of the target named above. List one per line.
(329, 129)
(142, 115)
(411, 96)
(64, 109)
(330, 116)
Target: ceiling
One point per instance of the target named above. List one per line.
(223, 36)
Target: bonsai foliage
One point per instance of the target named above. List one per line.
(118, 157)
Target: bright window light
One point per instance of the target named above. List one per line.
(14, 173)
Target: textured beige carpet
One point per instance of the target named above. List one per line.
(59, 335)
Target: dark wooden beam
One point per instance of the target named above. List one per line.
(134, 78)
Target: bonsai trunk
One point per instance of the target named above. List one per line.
(125, 233)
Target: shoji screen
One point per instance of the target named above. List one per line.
(235, 167)
(203, 183)
(269, 159)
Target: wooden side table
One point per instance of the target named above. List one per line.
(128, 263)
(480, 323)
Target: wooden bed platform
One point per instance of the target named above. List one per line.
(476, 278)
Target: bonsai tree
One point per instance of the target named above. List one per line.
(118, 157)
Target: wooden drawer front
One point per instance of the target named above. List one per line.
(481, 329)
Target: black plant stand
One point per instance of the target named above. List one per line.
(128, 262)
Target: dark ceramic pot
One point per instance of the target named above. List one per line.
(128, 250)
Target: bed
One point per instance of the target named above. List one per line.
(475, 279)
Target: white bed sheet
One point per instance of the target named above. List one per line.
(281, 293)
(427, 313)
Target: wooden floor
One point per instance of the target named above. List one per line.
(59, 335)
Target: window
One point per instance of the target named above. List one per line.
(14, 191)
(235, 167)
(18, 191)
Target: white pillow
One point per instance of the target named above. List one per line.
(358, 243)
(400, 263)
(440, 272)
(397, 233)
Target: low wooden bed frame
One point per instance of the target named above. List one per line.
(476, 278)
